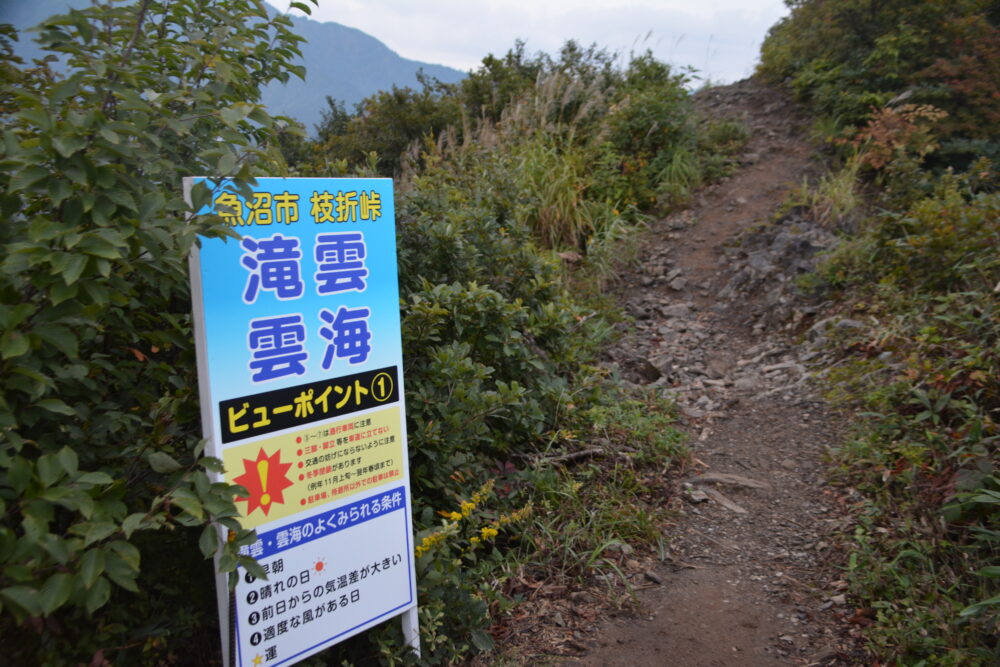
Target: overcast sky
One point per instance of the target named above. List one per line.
(720, 38)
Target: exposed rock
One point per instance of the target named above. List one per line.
(718, 497)
(647, 371)
(730, 479)
(677, 310)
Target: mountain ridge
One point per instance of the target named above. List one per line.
(341, 62)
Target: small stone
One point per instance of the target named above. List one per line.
(718, 497)
(571, 257)
(849, 324)
(676, 310)
(716, 368)
(694, 413)
(678, 284)
(697, 496)
(647, 371)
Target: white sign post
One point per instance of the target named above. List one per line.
(301, 383)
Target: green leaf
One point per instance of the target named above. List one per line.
(95, 478)
(975, 609)
(49, 469)
(209, 541)
(132, 523)
(56, 547)
(62, 292)
(59, 337)
(91, 566)
(75, 264)
(252, 566)
(120, 572)
(128, 553)
(212, 464)
(69, 460)
(64, 90)
(98, 595)
(55, 592)
(227, 562)
(56, 406)
(482, 641)
(27, 177)
(19, 473)
(226, 164)
(110, 135)
(187, 501)
(163, 463)
(66, 145)
(235, 113)
(25, 598)
(13, 344)
(97, 531)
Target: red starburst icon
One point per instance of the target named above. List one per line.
(265, 480)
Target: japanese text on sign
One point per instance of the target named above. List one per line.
(267, 208)
(277, 343)
(271, 411)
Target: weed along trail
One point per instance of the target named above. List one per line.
(748, 576)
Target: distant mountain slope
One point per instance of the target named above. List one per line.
(348, 65)
(341, 62)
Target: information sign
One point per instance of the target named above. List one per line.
(300, 373)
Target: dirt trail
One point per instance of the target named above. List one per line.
(748, 579)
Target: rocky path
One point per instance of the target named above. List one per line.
(750, 578)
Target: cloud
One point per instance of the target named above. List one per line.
(721, 38)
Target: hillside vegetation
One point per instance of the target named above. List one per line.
(907, 94)
(518, 192)
(107, 507)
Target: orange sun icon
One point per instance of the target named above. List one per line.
(265, 480)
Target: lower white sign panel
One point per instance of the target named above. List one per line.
(325, 582)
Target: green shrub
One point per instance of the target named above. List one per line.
(927, 454)
(101, 468)
(104, 491)
(846, 58)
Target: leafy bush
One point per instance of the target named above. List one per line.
(498, 356)
(927, 454)
(847, 57)
(107, 505)
(912, 86)
(99, 422)
(385, 123)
